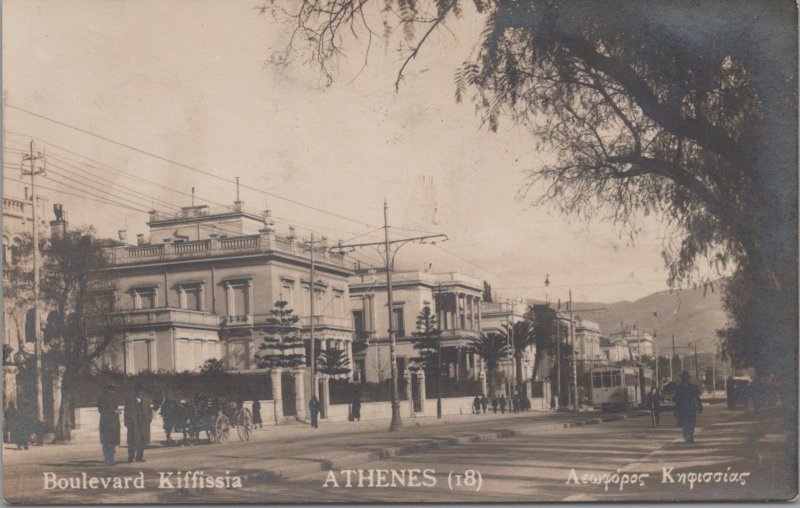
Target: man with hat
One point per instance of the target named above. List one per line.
(687, 407)
(138, 415)
(109, 423)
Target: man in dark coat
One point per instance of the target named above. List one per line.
(484, 403)
(313, 406)
(495, 402)
(356, 409)
(687, 407)
(257, 414)
(138, 415)
(109, 424)
(654, 404)
(18, 425)
(503, 404)
(476, 405)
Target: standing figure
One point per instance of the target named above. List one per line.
(654, 404)
(502, 404)
(138, 415)
(687, 407)
(109, 424)
(484, 403)
(356, 409)
(18, 427)
(495, 402)
(553, 398)
(476, 405)
(257, 414)
(313, 406)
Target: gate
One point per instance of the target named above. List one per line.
(288, 394)
(415, 395)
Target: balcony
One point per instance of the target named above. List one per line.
(215, 247)
(327, 322)
(167, 315)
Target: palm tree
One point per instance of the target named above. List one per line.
(333, 362)
(491, 348)
(520, 335)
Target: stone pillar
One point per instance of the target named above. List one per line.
(349, 345)
(422, 390)
(300, 394)
(482, 377)
(325, 394)
(277, 394)
(58, 379)
(409, 393)
(9, 384)
(479, 315)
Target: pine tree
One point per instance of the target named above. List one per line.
(426, 341)
(333, 362)
(282, 346)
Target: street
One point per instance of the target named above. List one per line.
(528, 457)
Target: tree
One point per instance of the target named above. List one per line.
(520, 335)
(426, 341)
(487, 292)
(279, 348)
(646, 114)
(545, 334)
(491, 348)
(18, 293)
(333, 362)
(82, 323)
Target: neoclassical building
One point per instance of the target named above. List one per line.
(454, 297)
(203, 284)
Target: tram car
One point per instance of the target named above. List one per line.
(619, 388)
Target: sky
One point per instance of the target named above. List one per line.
(190, 82)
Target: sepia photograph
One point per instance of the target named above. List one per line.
(399, 251)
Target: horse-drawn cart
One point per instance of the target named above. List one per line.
(214, 418)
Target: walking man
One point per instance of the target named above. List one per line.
(484, 403)
(503, 404)
(356, 409)
(495, 402)
(687, 407)
(476, 405)
(109, 424)
(138, 415)
(313, 406)
(654, 404)
(257, 424)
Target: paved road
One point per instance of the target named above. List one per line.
(519, 458)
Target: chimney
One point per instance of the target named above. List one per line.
(140, 239)
(122, 234)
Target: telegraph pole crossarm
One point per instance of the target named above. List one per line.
(389, 256)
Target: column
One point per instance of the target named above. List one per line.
(422, 390)
(479, 315)
(482, 377)
(325, 395)
(471, 301)
(277, 394)
(409, 392)
(300, 393)
(9, 384)
(349, 345)
(249, 310)
(58, 378)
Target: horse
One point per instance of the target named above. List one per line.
(176, 415)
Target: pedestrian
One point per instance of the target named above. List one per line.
(18, 426)
(687, 407)
(654, 405)
(476, 405)
(730, 392)
(553, 398)
(109, 424)
(138, 415)
(495, 402)
(257, 414)
(484, 403)
(356, 409)
(503, 404)
(313, 406)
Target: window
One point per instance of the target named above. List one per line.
(399, 323)
(401, 366)
(6, 252)
(16, 251)
(338, 302)
(145, 298)
(607, 379)
(139, 356)
(358, 324)
(287, 292)
(192, 297)
(615, 378)
(597, 379)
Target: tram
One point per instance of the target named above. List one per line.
(619, 388)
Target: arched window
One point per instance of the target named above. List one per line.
(6, 252)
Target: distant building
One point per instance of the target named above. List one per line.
(498, 315)
(454, 298)
(204, 284)
(614, 349)
(587, 342)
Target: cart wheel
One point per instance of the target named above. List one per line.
(221, 429)
(244, 424)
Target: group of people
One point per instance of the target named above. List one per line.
(687, 406)
(515, 404)
(20, 424)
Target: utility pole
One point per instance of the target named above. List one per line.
(33, 157)
(439, 352)
(696, 372)
(672, 359)
(574, 356)
(558, 350)
(714, 374)
(314, 387)
(389, 256)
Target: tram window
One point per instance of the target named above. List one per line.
(615, 378)
(597, 380)
(607, 379)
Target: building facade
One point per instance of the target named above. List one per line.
(455, 298)
(204, 284)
